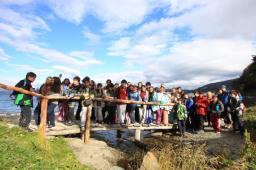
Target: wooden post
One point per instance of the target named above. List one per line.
(43, 116)
(86, 135)
(137, 134)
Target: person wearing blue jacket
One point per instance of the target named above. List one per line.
(224, 97)
(134, 96)
(190, 106)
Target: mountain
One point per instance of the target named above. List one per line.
(246, 83)
(215, 86)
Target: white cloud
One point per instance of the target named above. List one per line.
(201, 61)
(28, 68)
(132, 76)
(92, 37)
(21, 30)
(120, 47)
(66, 70)
(73, 11)
(116, 14)
(3, 55)
(16, 2)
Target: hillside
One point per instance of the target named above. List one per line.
(214, 86)
(246, 83)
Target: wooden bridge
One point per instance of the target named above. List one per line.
(62, 129)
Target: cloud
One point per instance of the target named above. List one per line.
(92, 37)
(16, 2)
(74, 11)
(3, 55)
(66, 70)
(21, 32)
(118, 77)
(28, 68)
(116, 14)
(216, 47)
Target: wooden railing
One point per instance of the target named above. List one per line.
(45, 100)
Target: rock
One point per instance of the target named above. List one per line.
(96, 154)
(150, 162)
(116, 168)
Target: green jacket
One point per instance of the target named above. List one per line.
(181, 113)
(23, 99)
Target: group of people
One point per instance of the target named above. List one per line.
(190, 112)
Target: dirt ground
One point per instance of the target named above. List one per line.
(100, 155)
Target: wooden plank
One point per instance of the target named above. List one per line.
(20, 90)
(56, 97)
(76, 129)
(86, 135)
(63, 132)
(43, 116)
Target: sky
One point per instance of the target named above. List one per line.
(185, 43)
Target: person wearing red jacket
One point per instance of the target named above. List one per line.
(201, 106)
(121, 107)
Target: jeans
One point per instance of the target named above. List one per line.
(149, 116)
(37, 112)
(73, 108)
(121, 112)
(142, 113)
(237, 121)
(83, 113)
(182, 126)
(111, 114)
(199, 122)
(25, 116)
(132, 115)
(51, 113)
(227, 116)
(98, 113)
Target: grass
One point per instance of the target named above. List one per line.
(249, 152)
(176, 155)
(23, 150)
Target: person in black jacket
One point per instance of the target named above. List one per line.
(25, 101)
(236, 112)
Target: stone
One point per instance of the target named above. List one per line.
(150, 162)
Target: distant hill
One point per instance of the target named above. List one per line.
(246, 83)
(214, 86)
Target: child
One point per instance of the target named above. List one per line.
(74, 90)
(152, 97)
(88, 94)
(134, 96)
(237, 108)
(25, 101)
(162, 112)
(110, 106)
(52, 105)
(98, 105)
(121, 107)
(143, 108)
(63, 105)
(216, 108)
(181, 115)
